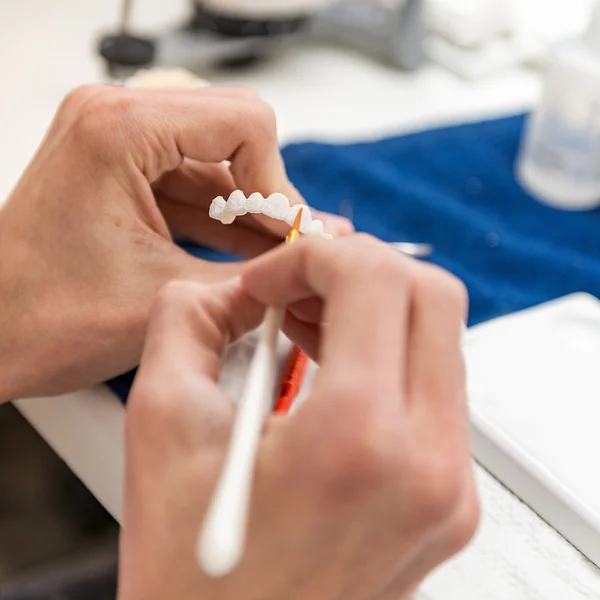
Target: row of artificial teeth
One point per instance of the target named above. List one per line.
(276, 206)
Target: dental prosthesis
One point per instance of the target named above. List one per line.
(276, 206)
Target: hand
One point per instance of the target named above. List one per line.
(85, 238)
(361, 491)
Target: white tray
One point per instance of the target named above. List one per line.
(534, 389)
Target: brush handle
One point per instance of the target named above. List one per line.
(291, 382)
(222, 538)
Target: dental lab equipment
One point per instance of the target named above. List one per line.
(221, 541)
(237, 32)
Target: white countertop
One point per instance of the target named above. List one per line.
(46, 48)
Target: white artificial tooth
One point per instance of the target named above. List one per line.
(254, 203)
(276, 206)
(306, 217)
(236, 205)
(316, 227)
(291, 216)
(217, 207)
(227, 218)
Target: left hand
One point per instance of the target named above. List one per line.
(85, 238)
(185, 194)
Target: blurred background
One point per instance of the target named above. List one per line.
(475, 56)
(56, 540)
(335, 71)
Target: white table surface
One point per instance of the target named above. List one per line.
(46, 48)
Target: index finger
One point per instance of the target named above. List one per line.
(155, 131)
(211, 127)
(208, 126)
(195, 323)
(366, 296)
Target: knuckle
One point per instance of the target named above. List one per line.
(263, 119)
(102, 117)
(364, 244)
(314, 253)
(465, 523)
(247, 92)
(365, 255)
(111, 101)
(436, 282)
(149, 411)
(361, 448)
(455, 292)
(375, 260)
(176, 295)
(439, 488)
(373, 250)
(75, 99)
(388, 267)
(356, 464)
(351, 392)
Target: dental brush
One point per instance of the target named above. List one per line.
(221, 541)
(291, 381)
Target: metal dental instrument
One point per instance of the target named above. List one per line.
(408, 248)
(414, 250)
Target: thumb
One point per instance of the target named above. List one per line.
(175, 393)
(190, 327)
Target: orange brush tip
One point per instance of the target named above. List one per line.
(295, 232)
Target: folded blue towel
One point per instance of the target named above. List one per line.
(454, 188)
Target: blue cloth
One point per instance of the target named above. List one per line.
(454, 187)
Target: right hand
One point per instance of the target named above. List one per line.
(360, 492)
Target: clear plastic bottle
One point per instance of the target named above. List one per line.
(559, 162)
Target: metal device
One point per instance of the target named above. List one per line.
(414, 250)
(238, 32)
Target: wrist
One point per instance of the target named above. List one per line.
(14, 312)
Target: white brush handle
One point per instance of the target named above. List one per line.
(221, 542)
